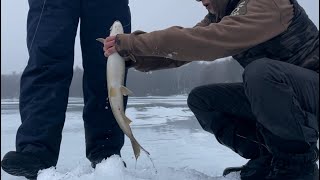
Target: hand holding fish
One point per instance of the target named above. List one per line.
(109, 45)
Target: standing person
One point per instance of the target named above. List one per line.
(270, 118)
(45, 82)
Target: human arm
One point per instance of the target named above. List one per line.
(262, 21)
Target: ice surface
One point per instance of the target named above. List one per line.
(164, 126)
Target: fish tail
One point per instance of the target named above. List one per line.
(136, 148)
(135, 145)
(144, 150)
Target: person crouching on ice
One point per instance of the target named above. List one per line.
(271, 117)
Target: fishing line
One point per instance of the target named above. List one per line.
(126, 25)
(252, 140)
(122, 26)
(34, 36)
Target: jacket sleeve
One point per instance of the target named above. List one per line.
(145, 64)
(262, 21)
(149, 63)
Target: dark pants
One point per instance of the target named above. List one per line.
(278, 97)
(46, 79)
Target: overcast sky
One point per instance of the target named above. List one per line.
(147, 15)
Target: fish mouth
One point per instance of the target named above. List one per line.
(116, 23)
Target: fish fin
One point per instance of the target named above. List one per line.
(125, 91)
(112, 92)
(100, 40)
(128, 121)
(136, 148)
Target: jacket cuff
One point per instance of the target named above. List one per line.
(122, 45)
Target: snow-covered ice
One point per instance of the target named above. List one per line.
(164, 126)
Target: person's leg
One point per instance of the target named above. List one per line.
(223, 110)
(44, 88)
(103, 135)
(284, 98)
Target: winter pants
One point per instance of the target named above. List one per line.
(275, 96)
(51, 30)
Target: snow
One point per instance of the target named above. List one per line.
(112, 168)
(164, 126)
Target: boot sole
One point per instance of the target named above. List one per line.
(18, 171)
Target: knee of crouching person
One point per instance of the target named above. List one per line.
(257, 71)
(194, 98)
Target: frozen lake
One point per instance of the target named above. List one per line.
(164, 126)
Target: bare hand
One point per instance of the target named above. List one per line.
(109, 45)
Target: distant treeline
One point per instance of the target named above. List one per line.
(159, 83)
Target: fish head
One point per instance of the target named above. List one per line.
(116, 28)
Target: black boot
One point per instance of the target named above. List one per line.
(291, 159)
(254, 169)
(22, 164)
(295, 166)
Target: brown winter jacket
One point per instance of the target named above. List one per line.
(257, 22)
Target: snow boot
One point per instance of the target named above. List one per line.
(254, 169)
(22, 164)
(295, 166)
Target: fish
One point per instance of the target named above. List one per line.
(116, 90)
